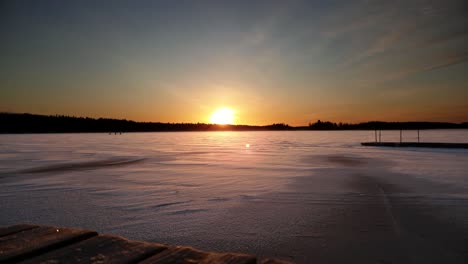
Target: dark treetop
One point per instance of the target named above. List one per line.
(29, 123)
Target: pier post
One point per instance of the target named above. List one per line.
(376, 135)
(380, 135)
(400, 135)
(418, 135)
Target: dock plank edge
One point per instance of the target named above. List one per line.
(69, 247)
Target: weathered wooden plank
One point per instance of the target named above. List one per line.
(274, 261)
(101, 249)
(187, 255)
(31, 242)
(5, 231)
(45, 244)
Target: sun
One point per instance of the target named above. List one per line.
(222, 116)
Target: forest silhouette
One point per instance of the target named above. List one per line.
(31, 123)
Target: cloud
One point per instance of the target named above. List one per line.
(456, 35)
(375, 30)
(446, 62)
(439, 63)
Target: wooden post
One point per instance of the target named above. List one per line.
(380, 135)
(376, 135)
(418, 135)
(400, 135)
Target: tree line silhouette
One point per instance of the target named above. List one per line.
(31, 123)
(379, 125)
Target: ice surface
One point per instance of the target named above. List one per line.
(305, 196)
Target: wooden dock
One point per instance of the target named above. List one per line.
(48, 244)
(417, 145)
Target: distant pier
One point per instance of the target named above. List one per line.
(417, 145)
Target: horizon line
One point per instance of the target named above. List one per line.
(203, 123)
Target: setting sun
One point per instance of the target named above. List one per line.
(222, 116)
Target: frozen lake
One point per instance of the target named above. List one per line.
(305, 196)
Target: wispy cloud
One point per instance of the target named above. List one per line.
(446, 62)
(376, 30)
(439, 63)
